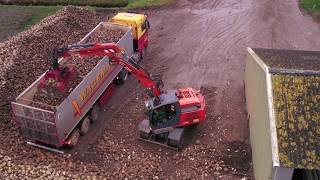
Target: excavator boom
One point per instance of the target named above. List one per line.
(116, 54)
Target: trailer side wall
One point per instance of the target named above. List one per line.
(93, 85)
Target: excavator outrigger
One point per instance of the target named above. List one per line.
(169, 112)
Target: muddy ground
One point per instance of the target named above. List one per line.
(201, 44)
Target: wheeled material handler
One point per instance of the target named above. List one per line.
(169, 112)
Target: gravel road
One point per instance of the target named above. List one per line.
(201, 44)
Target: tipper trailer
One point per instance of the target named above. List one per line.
(45, 125)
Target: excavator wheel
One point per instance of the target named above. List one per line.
(74, 138)
(95, 113)
(85, 125)
(176, 144)
(176, 138)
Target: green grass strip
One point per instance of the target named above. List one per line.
(311, 5)
(98, 3)
(39, 13)
(146, 3)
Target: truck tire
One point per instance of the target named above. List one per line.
(85, 125)
(122, 77)
(74, 138)
(95, 112)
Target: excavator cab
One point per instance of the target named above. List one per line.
(170, 114)
(165, 116)
(163, 111)
(162, 125)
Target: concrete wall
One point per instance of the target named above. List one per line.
(258, 112)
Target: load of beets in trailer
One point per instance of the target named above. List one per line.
(48, 116)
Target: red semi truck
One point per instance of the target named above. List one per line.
(45, 125)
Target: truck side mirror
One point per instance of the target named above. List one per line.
(147, 24)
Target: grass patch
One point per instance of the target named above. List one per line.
(98, 3)
(311, 5)
(146, 3)
(14, 19)
(38, 13)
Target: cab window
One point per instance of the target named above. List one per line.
(162, 115)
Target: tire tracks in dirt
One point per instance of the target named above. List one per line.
(203, 44)
(200, 44)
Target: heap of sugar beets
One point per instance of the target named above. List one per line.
(116, 153)
(26, 56)
(23, 59)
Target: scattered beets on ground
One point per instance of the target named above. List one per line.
(22, 59)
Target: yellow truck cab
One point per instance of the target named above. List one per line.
(139, 24)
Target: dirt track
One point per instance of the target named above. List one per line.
(202, 45)
(206, 48)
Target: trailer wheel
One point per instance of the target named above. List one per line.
(122, 77)
(74, 138)
(95, 113)
(85, 125)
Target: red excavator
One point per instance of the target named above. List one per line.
(169, 112)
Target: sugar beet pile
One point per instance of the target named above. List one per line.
(26, 56)
(116, 154)
(22, 59)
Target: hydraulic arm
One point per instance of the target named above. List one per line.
(116, 55)
(168, 111)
